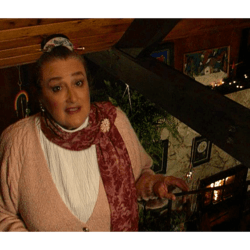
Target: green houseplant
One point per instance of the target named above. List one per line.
(146, 118)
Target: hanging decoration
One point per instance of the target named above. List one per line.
(129, 97)
(21, 100)
(189, 175)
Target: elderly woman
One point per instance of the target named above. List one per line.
(75, 166)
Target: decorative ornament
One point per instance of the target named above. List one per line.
(105, 125)
(189, 175)
(127, 89)
(21, 100)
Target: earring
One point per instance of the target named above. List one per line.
(41, 107)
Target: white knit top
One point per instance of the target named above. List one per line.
(75, 174)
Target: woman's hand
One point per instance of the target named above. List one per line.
(163, 187)
(152, 186)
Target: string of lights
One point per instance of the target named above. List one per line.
(232, 83)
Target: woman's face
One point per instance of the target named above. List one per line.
(65, 92)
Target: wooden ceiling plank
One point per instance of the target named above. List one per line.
(21, 59)
(19, 51)
(188, 27)
(86, 27)
(36, 40)
(90, 43)
(14, 23)
(143, 35)
(2, 18)
(21, 42)
(193, 27)
(207, 112)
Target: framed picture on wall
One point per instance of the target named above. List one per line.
(209, 66)
(201, 151)
(164, 53)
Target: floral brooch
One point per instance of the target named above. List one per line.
(105, 125)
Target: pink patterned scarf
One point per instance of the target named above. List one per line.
(113, 160)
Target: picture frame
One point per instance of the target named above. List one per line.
(201, 151)
(208, 66)
(164, 53)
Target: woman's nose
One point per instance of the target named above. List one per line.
(72, 96)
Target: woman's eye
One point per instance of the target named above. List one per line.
(56, 88)
(79, 83)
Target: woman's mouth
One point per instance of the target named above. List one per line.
(72, 110)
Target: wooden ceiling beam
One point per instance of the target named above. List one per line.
(223, 121)
(143, 35)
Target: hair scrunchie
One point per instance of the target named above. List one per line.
(58, 41)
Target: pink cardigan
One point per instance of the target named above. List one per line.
(29, 200)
